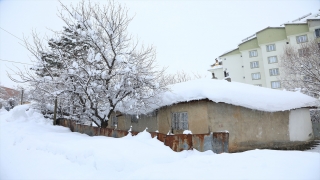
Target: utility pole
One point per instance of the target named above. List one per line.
(55, 111)
(22, 96)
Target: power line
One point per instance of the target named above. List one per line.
(15, 62)
(11, 34)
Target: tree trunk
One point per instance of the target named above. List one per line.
(104, 124)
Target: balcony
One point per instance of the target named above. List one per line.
(216, 65)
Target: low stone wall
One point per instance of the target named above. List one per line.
(218, 142)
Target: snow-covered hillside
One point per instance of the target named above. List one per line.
(31, 148)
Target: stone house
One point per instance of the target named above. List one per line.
(202, 107)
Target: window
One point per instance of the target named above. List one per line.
(258, 85)
(317, 32)
(272, 59)
(275, 84)
(303, 52)
(180, 121)
(114, 121)
(255, 76)
(226, 73)
(271, 47)
(302, 39)
(134, 119)
(254, 64)
(253, 53)
(274, 72)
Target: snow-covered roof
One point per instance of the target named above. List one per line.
(239, 94)
(304, 19)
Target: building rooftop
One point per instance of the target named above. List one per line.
(238, 94)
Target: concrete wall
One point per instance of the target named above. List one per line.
(300, 126)
(248, 129)
(270, 35)
(250, 44)
(248, 70)
(218, 72)
(197, 117)
(265, 54)
(293, 29)
(233, 64)
(144, 121)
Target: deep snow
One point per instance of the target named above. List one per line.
(31, 148)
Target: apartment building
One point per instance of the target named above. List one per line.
(255, 60)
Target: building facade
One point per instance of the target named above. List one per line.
(256, 60)
(248, 129)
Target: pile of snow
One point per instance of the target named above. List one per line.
(31, 148)
(239, 94)
(187, 132)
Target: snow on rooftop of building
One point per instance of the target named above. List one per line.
(305, 18)
(239, 94)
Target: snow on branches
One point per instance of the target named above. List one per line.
(93, 65)
(300, 68)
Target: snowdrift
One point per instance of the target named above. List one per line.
(31, 148)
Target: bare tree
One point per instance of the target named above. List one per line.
(93, 65)
(181, 76)
(300, 68)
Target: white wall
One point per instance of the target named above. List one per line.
(300, 127)
(218, 72)
(233, 64)
(248, 70)
(278, 52)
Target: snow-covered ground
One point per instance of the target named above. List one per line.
(31, 148)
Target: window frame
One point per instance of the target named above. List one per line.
(271, 45)
(250, 55)
(298, 39)
(254, 62)
(272, 62)
(256, 73)
(271, 72)
(180, 121)
(276, 82)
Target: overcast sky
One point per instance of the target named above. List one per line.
(188, 35)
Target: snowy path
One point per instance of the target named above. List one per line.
(31, 148)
